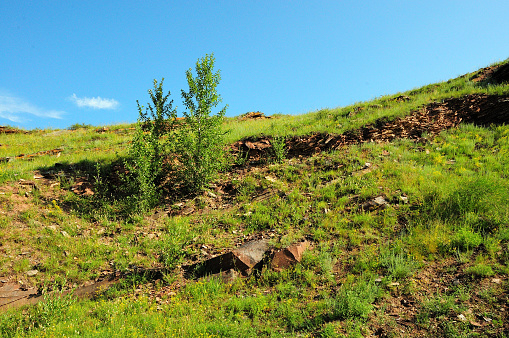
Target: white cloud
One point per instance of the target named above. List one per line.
(13, 108)
(95, 102)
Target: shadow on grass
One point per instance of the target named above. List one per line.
(96, 189)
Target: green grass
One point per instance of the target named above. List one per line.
(446, 219)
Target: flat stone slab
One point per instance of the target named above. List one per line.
(13, 295)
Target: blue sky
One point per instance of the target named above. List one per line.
(67, 62)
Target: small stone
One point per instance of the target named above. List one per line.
(462, 317)
(211, 194)
(64, 233)
(475, 323)
(31, 273)
(393, 284)
(496, 280)
(380, 200)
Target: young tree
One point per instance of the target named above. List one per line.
(148, 149)
(200, 139)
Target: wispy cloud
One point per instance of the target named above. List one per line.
(14, 109)
(95, 102)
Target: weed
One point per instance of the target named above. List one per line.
(480, 270)
(278, 149)
(398, 264)
(354, 299)
(465, 239)
(436, 307)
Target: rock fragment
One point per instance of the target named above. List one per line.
(285, 258)
(244, 258)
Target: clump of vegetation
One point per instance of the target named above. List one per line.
(278, 148)
(177, 155)
(77, 126)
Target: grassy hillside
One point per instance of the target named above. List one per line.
(403, 200)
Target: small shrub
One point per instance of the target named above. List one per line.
(439, 306)
(354, 300)
(77, 126)
(480, 270)
(398, 264)
(465, 239)
(278, 149)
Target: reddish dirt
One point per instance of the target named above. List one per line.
(494, 74)
(432, 119)
(9, 130)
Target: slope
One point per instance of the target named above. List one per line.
(402, 199)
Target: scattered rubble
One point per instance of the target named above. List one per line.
(254, 115)
(10, 130)
(249, 257)
(378, 202)
(479, 109)
(493, 74)
(56, 152)
(166, 125)
(102, 130)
